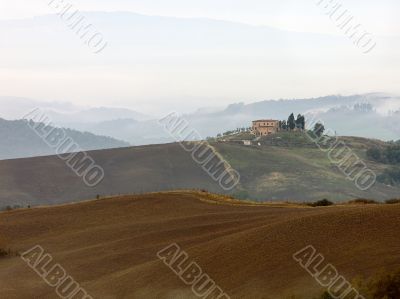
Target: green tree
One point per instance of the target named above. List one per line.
(392, 154)
(300, 122)
(283, 125)
(291, 123)
(319, 129)
(374, 154)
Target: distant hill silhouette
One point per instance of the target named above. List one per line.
(18, 140)
(365, 115)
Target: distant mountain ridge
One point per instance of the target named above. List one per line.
(96, 115)
(339, 113)
(18, 140)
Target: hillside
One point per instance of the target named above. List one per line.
(288, 166)
(47, 180)
(18, 140)
(268, 172)
(109, 246)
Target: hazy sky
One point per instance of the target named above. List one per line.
(380, 16)
(185, 77)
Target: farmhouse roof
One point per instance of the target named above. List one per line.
(264, 120)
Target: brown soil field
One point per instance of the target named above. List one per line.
(110, 245)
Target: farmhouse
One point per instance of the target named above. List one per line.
(264, 127)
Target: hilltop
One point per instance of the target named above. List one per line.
(109, 246)
(289, 166)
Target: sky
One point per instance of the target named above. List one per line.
(184, 75)
(380, 16)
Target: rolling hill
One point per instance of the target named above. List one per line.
(48, 180)
(294, 171)
(110, 245)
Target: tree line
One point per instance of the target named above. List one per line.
(292, 123)
(389, 155)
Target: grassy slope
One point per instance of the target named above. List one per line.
(48, 180)
(110, 245)
(268, 172)
(298, 171)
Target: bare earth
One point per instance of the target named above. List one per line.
(109, 246)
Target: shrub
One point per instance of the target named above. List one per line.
(374, 154)
(390, 176)
(321, 203)
(3, 252)
(392, 201)
(385, 286)
(363, 201)
(326, 296)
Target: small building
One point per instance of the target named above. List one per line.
(263, 127)
(247, 142)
